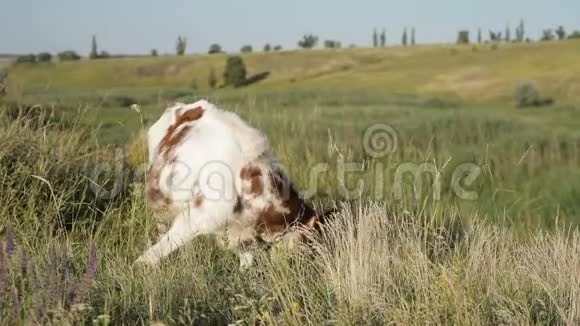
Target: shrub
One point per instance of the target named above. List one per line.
(214, 49)
(308, 41)
(548, 35)
(574, 35)
(29, 58)
(235, 72)
(526, 94)
(267, 47)
(68, 56)
(44, 57)
(278, 48)
(246, 49)
(330, 44)
(463, 37)
(495, 36)
(154, 53)
(104, 55)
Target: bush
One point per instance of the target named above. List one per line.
(331, 44)
(104, 55)
(154, 53)
(214, 49)
(29, 58)
(246, 49)
(278, 48)
(68, 56)
(548, 35)
(267, 47)
(526, 94)
(44, 57)
(574, 35)
(463, 37)
(235, 72)
(308, 41)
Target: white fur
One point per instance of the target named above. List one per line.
(208, 161)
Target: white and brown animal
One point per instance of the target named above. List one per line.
(210, 173)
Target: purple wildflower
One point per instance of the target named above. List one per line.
(51, 276)
(92, 262)
(10, 245)
(83, 287)
(32, 277)
(64, 266)
(15, 303)
(52, 257)
(3, 271)
(23, 264)
(70, 296)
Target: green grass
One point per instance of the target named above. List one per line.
(477, 76)
(507, 257)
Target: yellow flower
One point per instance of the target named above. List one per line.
(296, 306)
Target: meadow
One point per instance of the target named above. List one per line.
(508, 255)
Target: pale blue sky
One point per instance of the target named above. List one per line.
(137, 26)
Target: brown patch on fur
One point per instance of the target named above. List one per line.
(198, 200)
(171, 138)
(293, 211)
(271, 221)
(177, 138)
(156, 198)
(253, 175)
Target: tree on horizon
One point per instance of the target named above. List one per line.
(94, 54)
(383, 38)
(181, 45)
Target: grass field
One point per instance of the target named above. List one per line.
(507, 256)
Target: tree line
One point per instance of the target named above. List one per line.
(518, 36)
(309, 41)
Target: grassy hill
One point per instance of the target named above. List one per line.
(428, 256)
(471, 73)
(5, 62)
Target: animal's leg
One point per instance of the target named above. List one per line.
(185, 228)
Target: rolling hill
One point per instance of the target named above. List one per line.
(475, 73)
